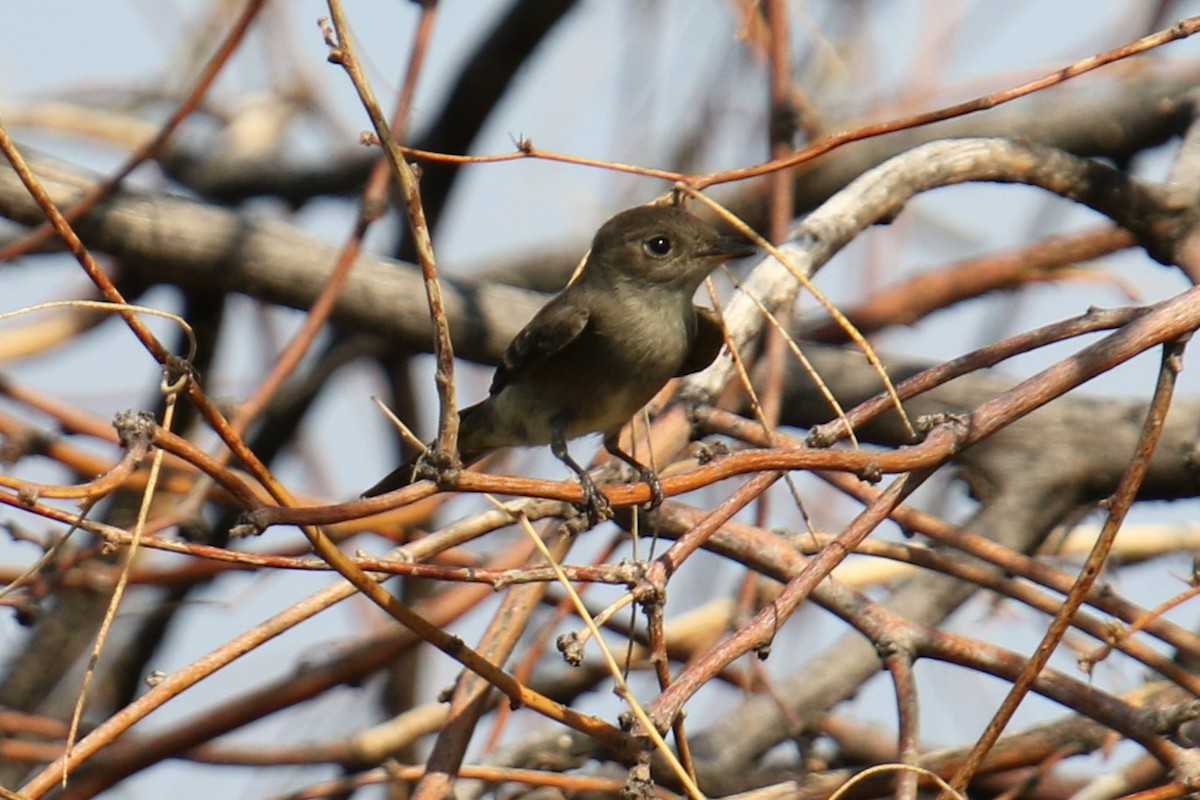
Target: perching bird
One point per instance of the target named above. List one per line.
(601, 349)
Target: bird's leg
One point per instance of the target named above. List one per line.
(595, 505)
(612, 445)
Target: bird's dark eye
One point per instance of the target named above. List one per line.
(657, 246)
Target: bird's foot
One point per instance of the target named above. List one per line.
(595, 506)
(650, 477)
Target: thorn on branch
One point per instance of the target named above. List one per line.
(134, 428)
(630, 572)
(707, 452)
(177, 370)
(871, 473)
(438, 466)
(823, 436)
(927, 422)
(250, 523)
(888, 647)
(571, 648)
(640, 783)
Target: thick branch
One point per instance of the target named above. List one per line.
(172, 239)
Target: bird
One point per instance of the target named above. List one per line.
(598, 351)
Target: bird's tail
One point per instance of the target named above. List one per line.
(470, 450)
(405, 474)
(400, 476)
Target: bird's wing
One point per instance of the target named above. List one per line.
(551, 329)
(705, 344)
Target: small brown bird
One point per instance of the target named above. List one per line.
(602, 348)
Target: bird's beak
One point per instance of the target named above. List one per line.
(727, 247)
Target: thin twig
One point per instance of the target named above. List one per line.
(1181, 30)
(342, 53)
(171, 389)
(1118, 506)
(208, 73)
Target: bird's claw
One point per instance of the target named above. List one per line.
(656, 490)
(595, 505)
(648, 476)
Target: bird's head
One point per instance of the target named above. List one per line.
(661, 245)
